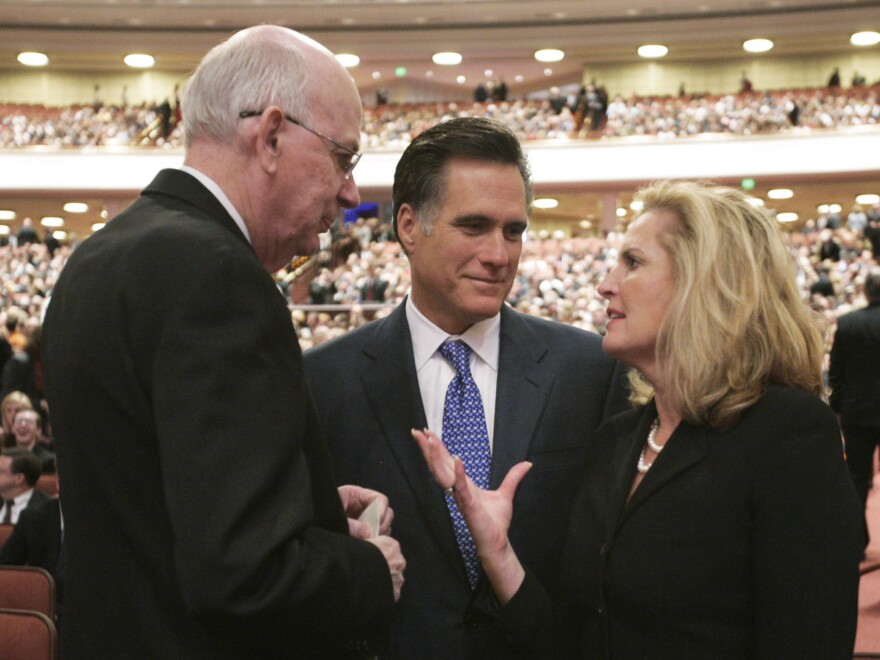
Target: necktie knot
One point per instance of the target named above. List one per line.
(458, 354)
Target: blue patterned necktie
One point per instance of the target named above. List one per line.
(465, 435)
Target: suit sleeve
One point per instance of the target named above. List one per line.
(15, 551)
(806, 544)
(835, 370)
(258, 526)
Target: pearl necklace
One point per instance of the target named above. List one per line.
(643, 467)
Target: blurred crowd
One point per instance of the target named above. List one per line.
(556, 115)
(558, 276)
(363, 274)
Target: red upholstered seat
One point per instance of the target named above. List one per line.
(27, 588)
(27, 636)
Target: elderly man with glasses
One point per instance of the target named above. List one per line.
(201, 515)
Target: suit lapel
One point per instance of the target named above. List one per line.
(392, 389)
(524, 383)
(687, 446)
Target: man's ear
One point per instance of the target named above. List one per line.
(268, 137)
(408, 228)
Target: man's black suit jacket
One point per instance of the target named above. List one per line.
(36, 538)
(555, 385)
(201, 514)
(854, 372)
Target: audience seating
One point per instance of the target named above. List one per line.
(5, 533)
(27, 636)
(46, 483)
(27, 588)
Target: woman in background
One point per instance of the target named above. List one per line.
(716, 519)
(11, 404)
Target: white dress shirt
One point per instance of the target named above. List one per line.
(19, 504)
(435, 372)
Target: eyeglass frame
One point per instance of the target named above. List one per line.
(355, 155)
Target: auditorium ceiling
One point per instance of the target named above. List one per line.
(500, 35)
(93, 35)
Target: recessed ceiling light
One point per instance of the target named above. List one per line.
(518, 78)
(787, 217)
(757, 45)
(653, 50)
(548, 72)
(637, 205)
(822, 208)
(447, 58)
(488, 73)
(348, 60)
(7, 215)
(780, 193)
(139, 60)
(61, 235)
(620, 212)
(429, 74)
(834, 208)
(868, 38)
(756, 201)
(97, 226)
(4, 230)
(76, 207)
(545, 203)
(30, 58)
(52, 221)
(376, 75)
(461, 80)
(549, 55)
(868, 199)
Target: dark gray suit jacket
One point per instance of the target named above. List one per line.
(201, 514)
(553, 391)
(854, 372)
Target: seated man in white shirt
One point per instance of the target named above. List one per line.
(19, 471)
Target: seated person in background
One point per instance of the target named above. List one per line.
(11, 404)
(19, 471)
(36, 541)
(717, 519)
(26, 429)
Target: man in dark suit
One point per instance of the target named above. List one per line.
(36, 541)
(854, 375)
(19, 471)
(461, 203)
(202, 518)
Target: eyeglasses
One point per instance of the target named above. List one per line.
(346, 160)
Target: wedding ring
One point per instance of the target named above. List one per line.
(450, 490)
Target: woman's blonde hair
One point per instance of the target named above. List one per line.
(737, 322)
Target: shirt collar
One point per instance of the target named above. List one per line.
(482, 337)
(217, 191)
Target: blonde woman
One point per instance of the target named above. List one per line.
(716, 519)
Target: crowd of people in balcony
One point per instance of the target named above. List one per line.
(588, 113)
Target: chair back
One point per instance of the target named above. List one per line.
(46, 483)
(27, 588)
(27, 636)
(5, 533)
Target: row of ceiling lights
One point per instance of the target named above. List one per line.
(866, 199)
(761, 45)
(51, 221)
(451, 58)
